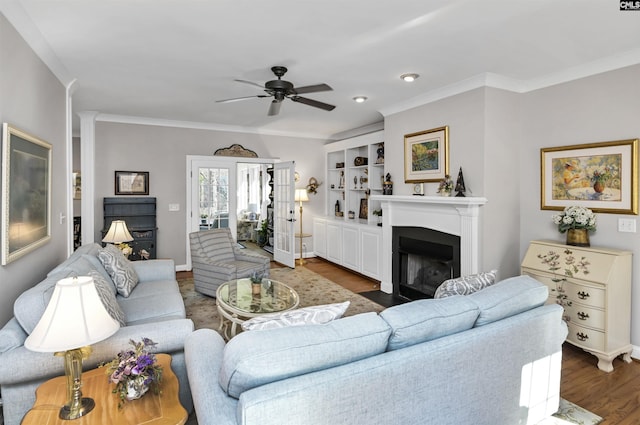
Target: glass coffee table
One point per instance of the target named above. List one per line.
(240, 300)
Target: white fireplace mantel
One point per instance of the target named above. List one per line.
(454, 215)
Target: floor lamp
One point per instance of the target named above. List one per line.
(301, 196)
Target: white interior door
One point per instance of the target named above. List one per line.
(283, 213)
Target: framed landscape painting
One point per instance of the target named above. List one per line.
(132, 183)
(426, 155)
(600, 176)
(26, 193)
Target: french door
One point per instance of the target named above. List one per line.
(283, 213)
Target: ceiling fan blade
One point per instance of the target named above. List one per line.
(235, 99)
(312, 89)
(251, 83)
(313, 103)
(274, 108)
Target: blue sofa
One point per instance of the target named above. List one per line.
(154, 309)
(492, 357)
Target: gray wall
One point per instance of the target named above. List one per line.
(32, 99)
(163, 150)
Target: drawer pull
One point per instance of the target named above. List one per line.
(582, 316)
(583, 295)
(582, 337)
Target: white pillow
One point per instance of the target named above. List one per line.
(465, 285)
(314, 315)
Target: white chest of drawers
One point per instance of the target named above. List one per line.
(594, 287)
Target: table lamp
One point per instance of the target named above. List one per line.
(74, 319)
(301, 196)
(117, 234)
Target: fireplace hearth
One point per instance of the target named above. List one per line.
(422, 259)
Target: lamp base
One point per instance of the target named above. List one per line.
(69, 412)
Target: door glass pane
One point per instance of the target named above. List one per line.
(282, 191)
(214, 197)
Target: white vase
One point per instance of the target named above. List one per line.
(136, 388)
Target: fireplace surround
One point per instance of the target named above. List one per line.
(456, 216)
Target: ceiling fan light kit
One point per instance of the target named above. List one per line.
(280, 89)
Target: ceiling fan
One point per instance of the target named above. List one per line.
(280, 89)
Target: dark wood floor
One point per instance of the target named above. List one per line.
(614, 396)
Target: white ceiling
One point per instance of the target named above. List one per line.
(172, 59)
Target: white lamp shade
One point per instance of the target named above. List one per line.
(301, 195)
(117, 233)
(75, 317)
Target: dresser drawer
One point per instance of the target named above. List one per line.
(584, 294)
(585, 337)
(585, 316)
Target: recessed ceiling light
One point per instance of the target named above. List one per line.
(409, 77)
(360, 99)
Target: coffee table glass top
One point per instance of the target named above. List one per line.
(240, 296)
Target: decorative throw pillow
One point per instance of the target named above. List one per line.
(465, 285)
(315, 315)
(119, 268)
(108, 297)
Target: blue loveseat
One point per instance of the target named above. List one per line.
(154, 309)
(492, 357)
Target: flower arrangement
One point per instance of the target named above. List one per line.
(135, 371)
(575, 218)
(446, 185)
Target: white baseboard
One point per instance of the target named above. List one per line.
(182, 268)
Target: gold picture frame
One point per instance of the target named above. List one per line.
(600, 176)
(26, 193)
(426, 155)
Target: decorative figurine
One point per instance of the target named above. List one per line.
(380, 152)
(387, 186)
(341, 184)
(460, 184)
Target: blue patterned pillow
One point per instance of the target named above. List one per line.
(119, 268)
(108, 297)
(465, 285)
(314, 315)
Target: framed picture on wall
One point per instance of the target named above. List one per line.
(426, 155)
(26, 193)
(132, 183)
(600, 176)
(364, 208)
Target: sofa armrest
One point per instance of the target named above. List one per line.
(22, 365)
(252, 258)
(216, 266)
(203, 353)
(147, 270)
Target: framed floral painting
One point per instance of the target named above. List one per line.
(426, 155)
(600, 176)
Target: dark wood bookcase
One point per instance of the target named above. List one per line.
(140, 215)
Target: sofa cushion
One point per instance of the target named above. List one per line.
(11, 336)
(508, 298)
(87, 249)
(119, 268)
(423, 320)
(314, 315)
(465, 285)
(107, 294)
(31, 304)
(153, 301)
(252, 359)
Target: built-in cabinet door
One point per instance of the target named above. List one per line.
(371, 252)
(320, 237)
(350, 249)
(334, 242)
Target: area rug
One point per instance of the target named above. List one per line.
(312, 289)
(570, 413)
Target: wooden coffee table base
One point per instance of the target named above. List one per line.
(151, 409)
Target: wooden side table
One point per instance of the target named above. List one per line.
(163, 408)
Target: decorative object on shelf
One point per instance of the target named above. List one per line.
(418, 189)
(26, 197)
(387, 185)
(378, 213)
(301, 196)
(364, 209)
(577, 222)
(313, 185)
(132, 183)
(426, 155)
(446, 186)
(339, 164)
(352, 215)
(601, 176)
(380, 152)
(236, 150)
(337, 207)
(360, 160)
(355, 182)
(135, 371)
(341, 183)
(460, 189)
(74, 319)
(118, 234)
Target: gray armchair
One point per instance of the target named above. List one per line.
(215, 259)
